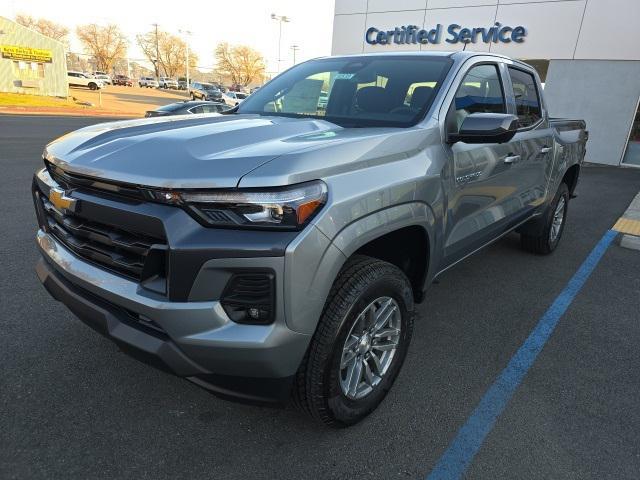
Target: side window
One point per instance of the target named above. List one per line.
(526, 96)
(480, 92)
(198, 109)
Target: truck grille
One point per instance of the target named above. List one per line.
(122, 251)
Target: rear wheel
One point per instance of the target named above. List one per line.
(554, 220)
(93, 86)
(359, 345)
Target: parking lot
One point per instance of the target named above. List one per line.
(74, 406)
(134, 101)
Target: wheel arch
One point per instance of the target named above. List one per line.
(313, 261)
(570, 177)
(402, 235)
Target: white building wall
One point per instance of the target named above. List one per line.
(556, 29)
(593, 45)
(54, 82)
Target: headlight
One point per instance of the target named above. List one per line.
(289, 207)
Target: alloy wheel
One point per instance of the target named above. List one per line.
(369, 348)
(558, 219)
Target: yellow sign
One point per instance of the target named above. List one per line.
(27, 54)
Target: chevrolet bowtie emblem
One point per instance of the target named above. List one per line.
(59, 199)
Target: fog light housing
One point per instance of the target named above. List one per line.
(250, 298)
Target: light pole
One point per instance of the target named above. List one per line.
(157, 62)
(280, 19)
(295, 48)
(187, 32)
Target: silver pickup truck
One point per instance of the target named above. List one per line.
(278, 251)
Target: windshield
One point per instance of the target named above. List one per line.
(394, 91)
(206, 86)
(171, 107)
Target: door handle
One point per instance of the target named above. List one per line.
(545, 149)
(512, 159)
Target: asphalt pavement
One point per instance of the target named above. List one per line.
(73, 406)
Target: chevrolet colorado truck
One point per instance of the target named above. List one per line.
(278, 251)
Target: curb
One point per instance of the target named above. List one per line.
(77, 112)
(629, 225)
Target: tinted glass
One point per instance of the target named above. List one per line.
(526, 96)
(480, 92)
(172, 107)
(354, 91)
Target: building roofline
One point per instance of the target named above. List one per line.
(35, 31)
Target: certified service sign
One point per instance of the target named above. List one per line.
(455, 33)
(27, 54)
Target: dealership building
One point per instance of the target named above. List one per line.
(587, 52)
(30, 62)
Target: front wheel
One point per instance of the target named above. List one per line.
(554, 219)
(93, 86)
(359, 345)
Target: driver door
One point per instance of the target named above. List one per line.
(483, 179)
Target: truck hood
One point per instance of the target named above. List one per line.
(196, 151)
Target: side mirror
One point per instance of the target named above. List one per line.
(486, 128)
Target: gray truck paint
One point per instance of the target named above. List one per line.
(379, 180)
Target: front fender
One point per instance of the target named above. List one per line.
(313, 261)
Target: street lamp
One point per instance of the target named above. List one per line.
(295, 48)
(187, 32)
(280, 19)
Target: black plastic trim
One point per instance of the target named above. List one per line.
(152, 346)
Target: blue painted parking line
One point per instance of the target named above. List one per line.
(457, 458)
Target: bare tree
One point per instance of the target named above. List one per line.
(172, 52)
(106, 44)
(45, 27)
(241, 63)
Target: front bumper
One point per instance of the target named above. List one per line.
(167, 308)
(191, 339)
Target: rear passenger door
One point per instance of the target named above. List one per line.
(482, 179)
(534, 139)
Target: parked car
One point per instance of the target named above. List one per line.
(106, 79)
(79, 79)
(254, 89)
(122, 80)
(204, 91)
(187, 107)
(323, 99)
(166, 82)
(234, 98)
(148, 82)
(182, 84)
(278, 252)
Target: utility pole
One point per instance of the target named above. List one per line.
(280, 19)
(295, 48)
(187, 32)
(157, 62)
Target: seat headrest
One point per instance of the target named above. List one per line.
(420, 97)
(373, 100)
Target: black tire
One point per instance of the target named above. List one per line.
(317, 389)
(93, 86)
(546, 242)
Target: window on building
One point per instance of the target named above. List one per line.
(632, 155)
(526, 95)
